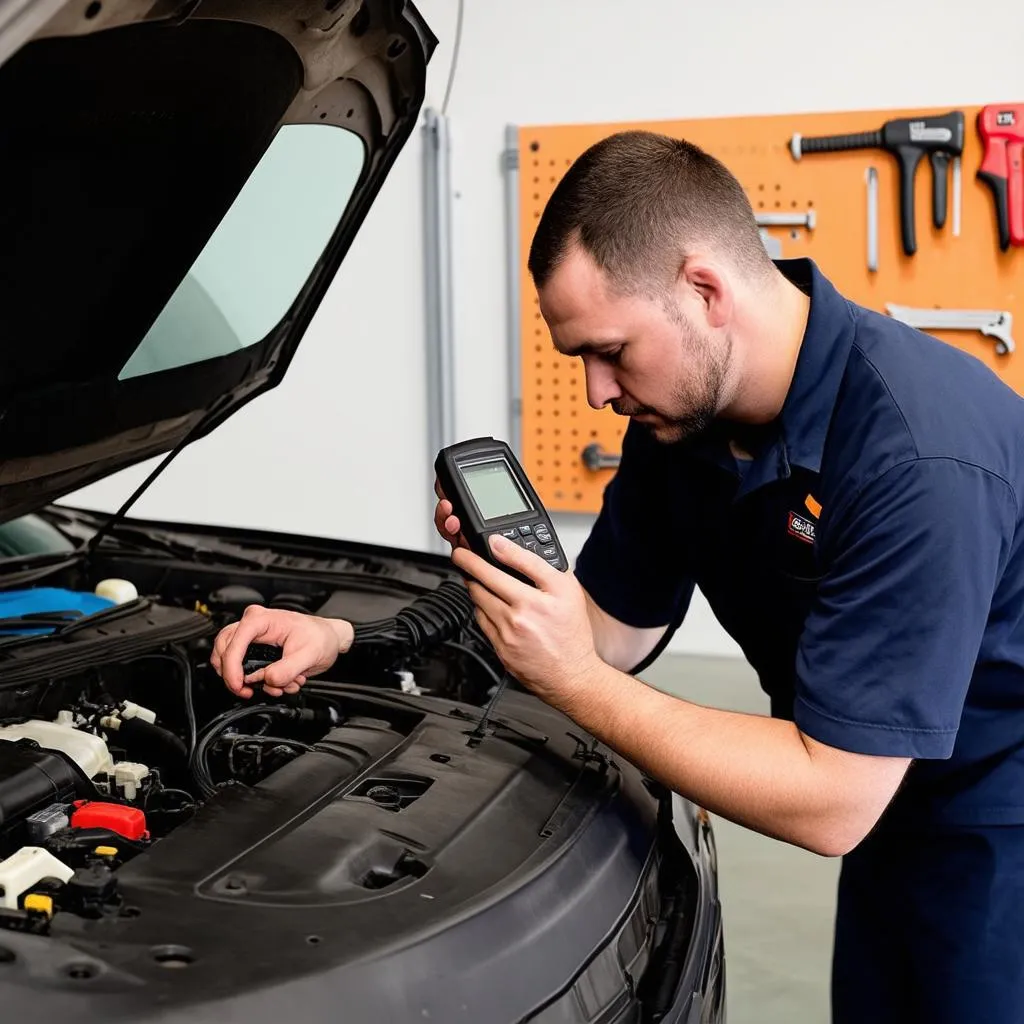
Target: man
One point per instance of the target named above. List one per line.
(846, 492)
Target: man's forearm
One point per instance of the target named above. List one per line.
(617, 644)
(755, 771)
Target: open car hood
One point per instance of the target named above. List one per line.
(181, 181)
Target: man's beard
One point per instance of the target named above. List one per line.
(693, 408)
(670, 429)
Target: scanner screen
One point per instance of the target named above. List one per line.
(494, 489)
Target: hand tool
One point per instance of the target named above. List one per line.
(908, 139)
(807, 220)
(872, 180)
(594, 458)
(993, 323)
(1001, 127)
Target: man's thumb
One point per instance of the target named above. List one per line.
(287, 670)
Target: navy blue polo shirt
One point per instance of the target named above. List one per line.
(868, 561)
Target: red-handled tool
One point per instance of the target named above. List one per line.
(1001, 126)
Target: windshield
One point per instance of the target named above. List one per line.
(263, 251)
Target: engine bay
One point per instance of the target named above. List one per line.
(115, 730)
(170, 851)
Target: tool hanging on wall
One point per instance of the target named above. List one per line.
(993, 323)
(1001, 127)
(958, 192)
(595, 458)
(908, 139)
(807, 220)
(872, 181)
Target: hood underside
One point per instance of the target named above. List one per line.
(181, 182)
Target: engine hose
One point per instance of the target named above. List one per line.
(200, 768)
(428, 621)
(150, 743)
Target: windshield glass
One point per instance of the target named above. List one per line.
(261, 254)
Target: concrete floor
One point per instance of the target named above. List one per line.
(778, 901)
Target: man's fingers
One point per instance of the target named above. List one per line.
(493, 578)
(285, 672)
(220, 644)
(445, 522)
(528, 563)
(497, 580)
(492, 606)
(246, 632)
(487, 626)
(442, 510)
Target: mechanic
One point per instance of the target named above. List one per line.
(845, 492)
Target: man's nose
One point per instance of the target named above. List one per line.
(602, 387)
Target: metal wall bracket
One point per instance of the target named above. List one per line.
(510, 170)
(437, 262)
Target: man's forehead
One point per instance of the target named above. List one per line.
(576, 281)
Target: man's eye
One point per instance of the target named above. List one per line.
(613, 355)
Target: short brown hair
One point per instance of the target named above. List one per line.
(637, 201)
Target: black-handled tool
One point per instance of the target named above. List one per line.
(940, 172)
(908, 139)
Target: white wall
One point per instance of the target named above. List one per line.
(295, 459)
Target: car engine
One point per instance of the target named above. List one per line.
(111, 737)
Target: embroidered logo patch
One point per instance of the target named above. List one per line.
(802, 529)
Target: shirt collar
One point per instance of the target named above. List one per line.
(797, 436)
(824, 353)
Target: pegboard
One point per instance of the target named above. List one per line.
(964, 272)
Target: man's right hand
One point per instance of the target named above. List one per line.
(310, 645)
(446, 523)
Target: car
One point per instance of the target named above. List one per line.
(181, 182)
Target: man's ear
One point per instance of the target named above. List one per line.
(705, 280)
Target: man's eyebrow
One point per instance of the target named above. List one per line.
(589, 347)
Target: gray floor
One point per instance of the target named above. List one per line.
(778, 901)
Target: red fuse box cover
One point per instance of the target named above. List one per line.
(129, 822)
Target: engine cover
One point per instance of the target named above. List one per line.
(393, 872)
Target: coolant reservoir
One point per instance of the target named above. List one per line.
(89, 752)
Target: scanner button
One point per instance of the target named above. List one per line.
(549, 552)
(510, 534)
(541, 533)
(554, 563)
(526, 530)
(529, 544)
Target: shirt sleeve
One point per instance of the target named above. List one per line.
(633, 562)
(889, 648)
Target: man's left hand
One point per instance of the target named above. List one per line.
(542, 634)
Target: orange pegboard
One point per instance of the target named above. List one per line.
(968, 272)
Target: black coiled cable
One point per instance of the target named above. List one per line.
(428, 621)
